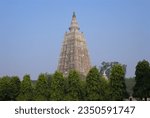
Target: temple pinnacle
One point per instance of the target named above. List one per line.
(74, 15)
(74, 25)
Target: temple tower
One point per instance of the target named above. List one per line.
(74, 54)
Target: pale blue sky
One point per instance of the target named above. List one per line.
(32, 31)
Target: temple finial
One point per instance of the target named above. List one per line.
(74, 15)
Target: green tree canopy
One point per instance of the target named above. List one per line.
(117, 83)
(93, 84)
(106, 67)
(73, 86)
(142, 78)
(26, 89)
(15, 87)
(104, 89)
(41, 88)
(57, 87)
(5, 89)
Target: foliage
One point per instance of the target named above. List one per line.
(142, 78)
(78, 87)
(73, 86)
(57, 87)
(93, 84)
(26, 89)
(104, 89)
(83, 90)
(15, 87)
(9, 88)
(105, 68)
(41, 88)
(117, 83)
(5, 89)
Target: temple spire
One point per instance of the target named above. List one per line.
(74, 53)
(74, 25)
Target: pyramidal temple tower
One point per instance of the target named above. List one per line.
(74, 53)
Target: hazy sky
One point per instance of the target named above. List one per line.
(32, 32)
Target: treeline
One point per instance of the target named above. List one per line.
(74, 87)
(141, 90)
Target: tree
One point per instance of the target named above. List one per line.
(142, 78)
(41, 88)
(83, 90)
(48, 79)
(26, 89)
(15, 87)
(9, 88)
(57, 87)
(117, 83)
(104, 89)
(93, 85)
(5, 89)
(105, 68)
(73, 86)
